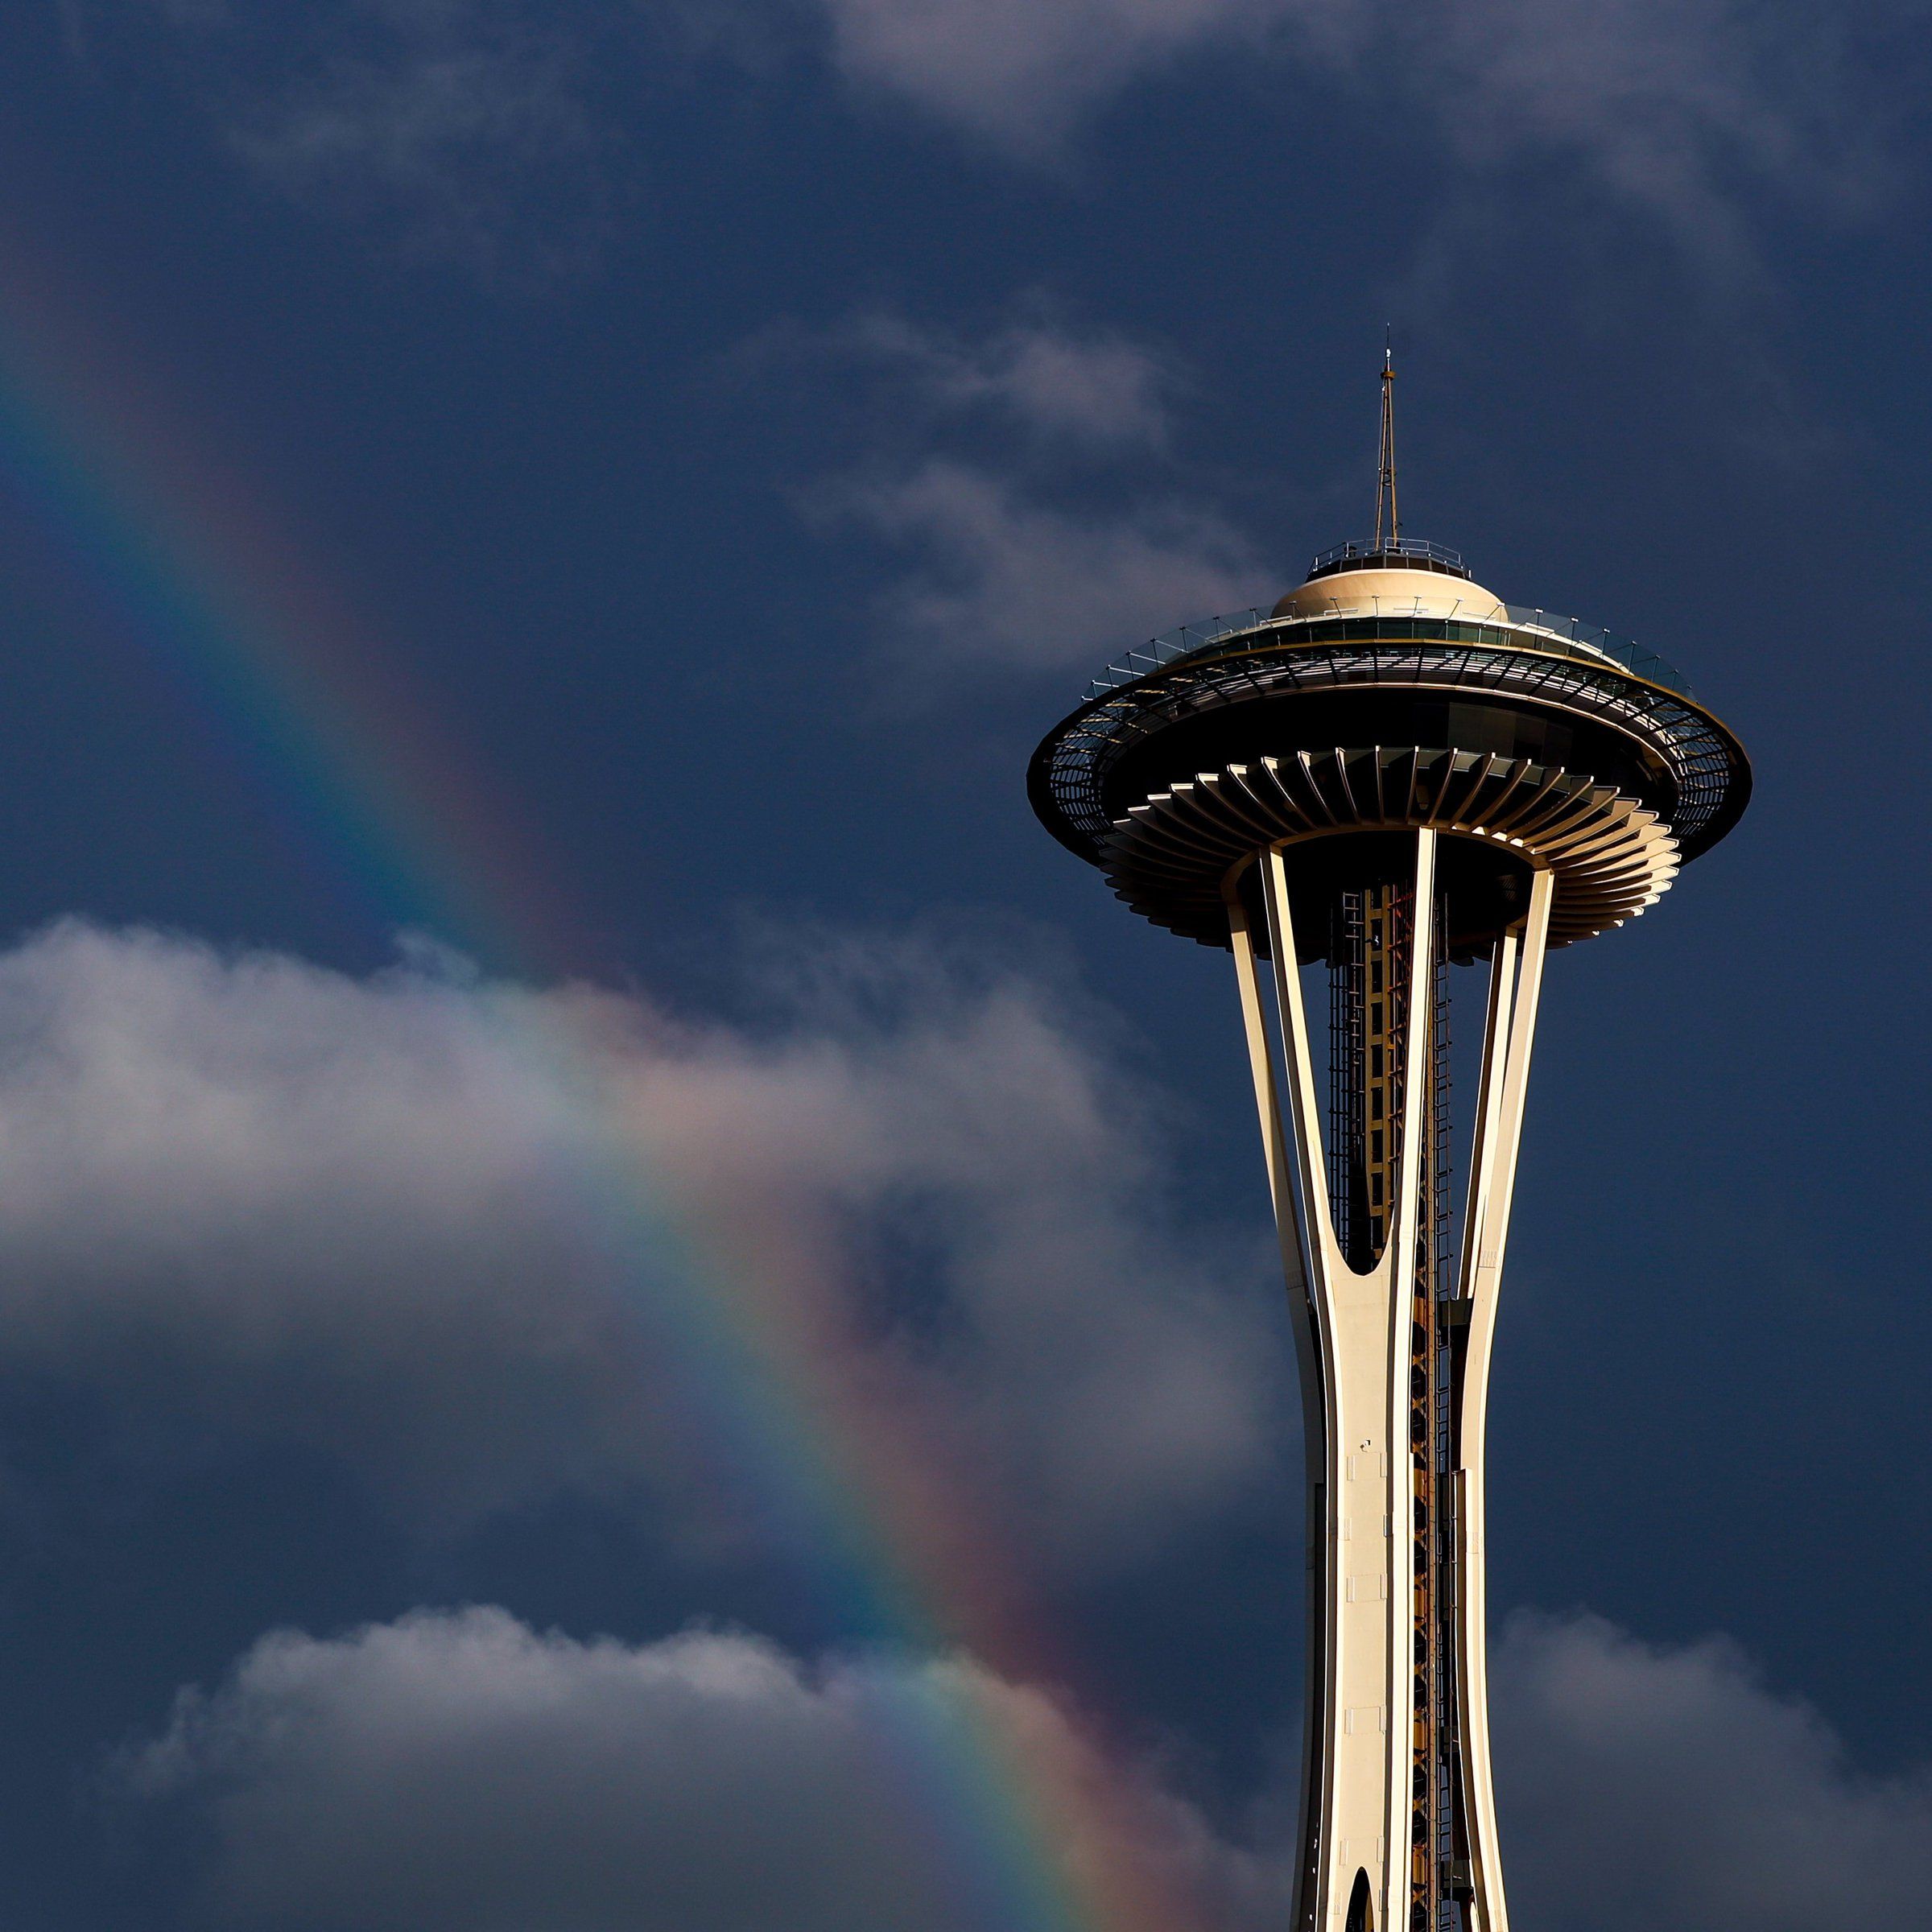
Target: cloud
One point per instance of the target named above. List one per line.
(474, 1239)
(493, 130)
(462, 130)
(1021, 73)
(1089, 387)
(459, 1773)
(444, 141)
(1678, 108)
(1002, 576)
(1667, 1787)
(1681, 108)
(1022, 481)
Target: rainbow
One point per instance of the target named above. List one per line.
(177, 549)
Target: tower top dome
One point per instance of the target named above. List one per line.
(1400, 577)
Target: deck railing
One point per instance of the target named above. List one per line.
(1525, 626)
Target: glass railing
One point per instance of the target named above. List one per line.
(1395, 547)
(1522, 626)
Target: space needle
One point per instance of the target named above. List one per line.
(1391, 774)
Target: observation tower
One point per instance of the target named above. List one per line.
(1390, 774)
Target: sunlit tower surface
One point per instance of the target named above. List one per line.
(1390, 774)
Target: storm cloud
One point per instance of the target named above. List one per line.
(468, 1237)
(454, 1772)
(459, 1771)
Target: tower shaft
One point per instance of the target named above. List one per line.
(1394, 1334)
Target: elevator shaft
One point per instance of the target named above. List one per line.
(1370, 1012)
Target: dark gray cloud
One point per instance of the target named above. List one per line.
(460, 1772)
(1668, 1788)
(463, 1234)
(1693, 114)
(467, 131)
(1001, 571)
(1020, 481)
(1021, 75)
(1052, 381)
(489, 131)
(1676, 107)
(444, 141)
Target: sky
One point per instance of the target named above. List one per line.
(627, 1303)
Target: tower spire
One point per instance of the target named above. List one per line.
(1385, 483)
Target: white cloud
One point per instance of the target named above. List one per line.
(1003, 576)
(1667, 1787)
(387, 1218)
(459, 1773)
(1094, 387)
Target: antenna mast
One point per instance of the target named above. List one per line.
(1384, 484)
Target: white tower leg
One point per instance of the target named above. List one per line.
(1516, 978)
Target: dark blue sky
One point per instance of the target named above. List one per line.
(696, 450)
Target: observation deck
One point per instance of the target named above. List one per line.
(1547, 740)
